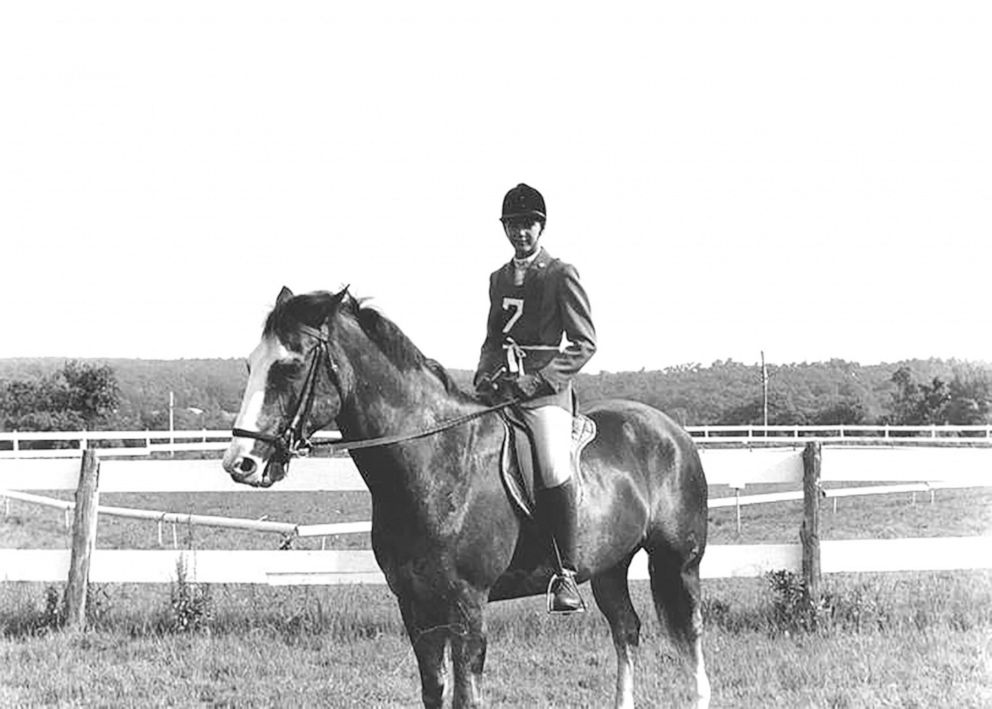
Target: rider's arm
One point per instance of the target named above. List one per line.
(491, 356)
(573, 304)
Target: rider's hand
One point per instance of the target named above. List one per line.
(494, 390)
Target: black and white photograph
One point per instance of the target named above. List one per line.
(530, 354)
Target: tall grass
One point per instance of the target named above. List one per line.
(882, 640)
(773, 605)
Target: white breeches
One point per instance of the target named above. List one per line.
(551, 427)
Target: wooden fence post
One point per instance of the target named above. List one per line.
(809, 533)
(83, 539)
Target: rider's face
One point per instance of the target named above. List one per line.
(523, 234)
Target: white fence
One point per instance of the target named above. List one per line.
(845, 433)
(358, 566)
(68, 444)
(737, 467)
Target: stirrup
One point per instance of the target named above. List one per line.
(566, 579)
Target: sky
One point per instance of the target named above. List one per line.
(811, 180)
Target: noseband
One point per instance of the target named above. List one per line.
(293, 441)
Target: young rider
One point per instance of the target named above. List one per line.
(534, 301)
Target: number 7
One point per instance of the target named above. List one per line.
(515, 304)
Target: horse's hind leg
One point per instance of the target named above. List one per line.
(677, 598)
(613, 598)
(428, 633)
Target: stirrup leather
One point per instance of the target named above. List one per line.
(565, 578)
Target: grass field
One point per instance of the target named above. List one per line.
(882, 640)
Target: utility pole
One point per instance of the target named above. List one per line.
(764, 391)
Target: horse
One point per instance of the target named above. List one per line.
(444, 533)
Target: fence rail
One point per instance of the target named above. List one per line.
(334, 567)
(736, 467)
(69, 444)
(845, 433)
(185, 518)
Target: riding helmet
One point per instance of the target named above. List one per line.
(523, 201)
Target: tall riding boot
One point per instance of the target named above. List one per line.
(562, 514)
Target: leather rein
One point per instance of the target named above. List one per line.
(294, 441)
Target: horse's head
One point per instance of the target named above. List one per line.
(292, 389)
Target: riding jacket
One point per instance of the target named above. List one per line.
(531, 320)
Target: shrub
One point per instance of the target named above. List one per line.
(191, 607)
(52, 617)
(793, 609)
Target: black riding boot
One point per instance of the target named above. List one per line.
(561, 508)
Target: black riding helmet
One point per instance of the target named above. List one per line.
(523, 201)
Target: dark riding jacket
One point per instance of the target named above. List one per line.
(550, 303)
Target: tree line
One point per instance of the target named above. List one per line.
(54, 394)
(822, 393)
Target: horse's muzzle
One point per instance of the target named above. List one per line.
(244, 469)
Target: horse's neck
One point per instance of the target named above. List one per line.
(383, 400)
(420, 483)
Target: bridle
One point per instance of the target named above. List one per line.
(294, 442)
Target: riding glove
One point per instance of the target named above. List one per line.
(494, 391)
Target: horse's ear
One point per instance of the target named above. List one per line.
(331, 305)
(284, 295)
(339, 297)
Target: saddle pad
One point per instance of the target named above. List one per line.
(518, 479)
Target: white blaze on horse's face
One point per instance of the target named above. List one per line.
(239, 460)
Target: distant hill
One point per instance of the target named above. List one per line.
(213, 386)
(724, 391)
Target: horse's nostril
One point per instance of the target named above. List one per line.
(247, 466)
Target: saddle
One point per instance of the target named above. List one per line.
(517, 468)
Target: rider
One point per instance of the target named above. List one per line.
(535, 301)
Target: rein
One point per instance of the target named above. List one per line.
(294, 442)
(402, 437)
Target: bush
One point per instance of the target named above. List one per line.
(191, 607)
(793, 609)
(53, 615)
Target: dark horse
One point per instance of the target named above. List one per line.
(444, 532)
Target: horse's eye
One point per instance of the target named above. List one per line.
(287, 370)
(248, 367)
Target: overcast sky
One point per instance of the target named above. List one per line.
(814, 180)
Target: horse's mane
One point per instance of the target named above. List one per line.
(313, 308)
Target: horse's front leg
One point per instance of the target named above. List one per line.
(429, 631)
(468, 648)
